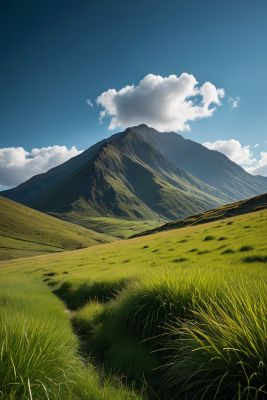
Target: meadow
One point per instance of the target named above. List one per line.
(179, 314)
(25, 232)
(119, 228)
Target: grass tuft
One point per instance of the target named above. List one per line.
(246, 248)
(228, 251)
(258, 258)
(180, 259)
(210, 237)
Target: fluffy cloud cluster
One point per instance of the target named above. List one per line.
(18, 165)
(261, 167)
(233, 150)
(164, 103)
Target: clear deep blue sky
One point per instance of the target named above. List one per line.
(56, 54)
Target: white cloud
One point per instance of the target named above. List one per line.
(233, 150)
(234, 102)
(89, 103)
(261, 167)
(256, 145)
(164, 103)
(18, 165)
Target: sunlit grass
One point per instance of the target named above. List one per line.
(125, 297)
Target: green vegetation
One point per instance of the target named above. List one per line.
(111, 226)
(25, 233)
(172, 313)
(39, 353)
(229, 210)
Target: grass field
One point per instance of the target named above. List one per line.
(25, 232)
(181, 313)
(110, 226)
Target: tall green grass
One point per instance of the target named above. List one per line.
(39, 353)
(194, 329)
(204, 337)
(221, 352)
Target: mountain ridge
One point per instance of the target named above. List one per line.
(128, 177)
(210, 166)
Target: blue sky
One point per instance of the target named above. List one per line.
(57, 54)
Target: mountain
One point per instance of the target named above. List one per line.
(122, 177)
(210, 166)
(260, 178)
(25, 232)
(139, 174)
(230, 210)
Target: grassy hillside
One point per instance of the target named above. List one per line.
(144, 306)
(25, 233)
(116, 227)
(229, 210)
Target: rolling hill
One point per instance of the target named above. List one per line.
(198, 292)
(229, 210)
(25, 233)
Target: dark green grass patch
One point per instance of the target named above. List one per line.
(210, 237)
(228, 251)
(145, 247)
(181, 259)
(252, 259)
(246, 227)
(193, 250)
(103, 290)
(246, 248)
(203, 252)
(222, 238)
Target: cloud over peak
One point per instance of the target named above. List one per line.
(17, 165)
(261, 166)
(164, 103)
(233, 150)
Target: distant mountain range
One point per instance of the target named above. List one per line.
(139, 174)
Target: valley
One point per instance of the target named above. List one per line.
(126, 299)
(135, 270)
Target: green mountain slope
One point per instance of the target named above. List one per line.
(127, 179)
(25, 232)
(209, 166)
(229, 210)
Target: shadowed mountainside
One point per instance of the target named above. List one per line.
(210, 166)
(229, 210)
